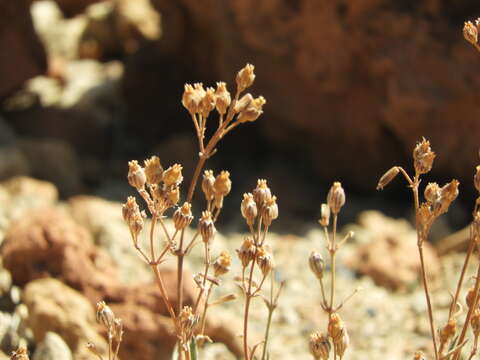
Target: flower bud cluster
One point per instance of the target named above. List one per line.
(222, 264)
(216, 188)
(259, 203)
(198, 100)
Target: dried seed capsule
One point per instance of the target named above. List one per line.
(470, 32)
(206, 227)
(118, 329)
(218, 201)
(470, 298)
(324, 215)
(319, 346)
(190, 99)
(476, 178)
(252, 111)
(475, 322)
(136, 175)
(317, 264)
(208, 102)
(182, 217)
(261, 193)
(448, 331)
(222, 264)
(423, 157)
(223, 98)
(448, 193)
(387, 177)
(129, 209)
(105, 315)
(208, 182)
(243, 103)
(341, 344)
(336, 197)
(222, 184)
(153, 170)
(245, 77)
(249, 208)
(264, 261)
(270, 211)
(432, 192)
(173, 175)
(247, 251)
(172, 196)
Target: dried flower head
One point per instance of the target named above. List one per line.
(432, 193)
(470, 32)
(247, 251)
(172, 196)
(188, 320)
(222, 264)
(317, 264)
(105, 315)
(324, 215)
(245, 77)
(206, 227)
(191, 99)
(243, 103)
(448, 193)
(261, 193)
(20, 354)
(222, 184)
(208, 102)
(423, 157)
(249, 208)
(153, 170)
(264, 260)
(270, 211)
(208, 182)
(223, 98)
(129, 209)
(388, 177)
(182, 217)
(136, 175)
(173, 175)
(319, 346)
(252, 110)
(336, 197)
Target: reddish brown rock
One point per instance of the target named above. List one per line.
(341, 78)
(23, 56)
(389, 253)
(47, 243)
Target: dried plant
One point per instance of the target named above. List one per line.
(114, 327)
(259, 208)
(161, 191)
(336, 334)
(20, 354)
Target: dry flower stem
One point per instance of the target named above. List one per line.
(420, 241)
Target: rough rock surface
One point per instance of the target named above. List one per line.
(53, 306)
(341, 78)
(23, 56)
(389, 254)
(48, 243)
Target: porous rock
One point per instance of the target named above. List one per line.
(52, 348)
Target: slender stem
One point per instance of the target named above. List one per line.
(469, 313)
(205, 274)
(420, 240)
(333, 252)
(204, 315)
(267, 332)
(471, 246)
(152, 235)
(163, 292)
(248, 296)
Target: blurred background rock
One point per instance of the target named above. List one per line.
(350, 86)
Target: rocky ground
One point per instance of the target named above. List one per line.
(61, 257)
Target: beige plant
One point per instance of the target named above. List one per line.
(161, 190)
